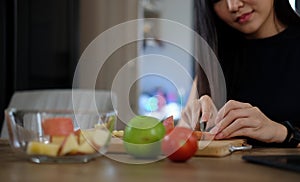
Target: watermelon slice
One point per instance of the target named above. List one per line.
(61, 126)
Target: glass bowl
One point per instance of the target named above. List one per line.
(59, 136)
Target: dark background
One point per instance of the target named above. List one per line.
(39, 42)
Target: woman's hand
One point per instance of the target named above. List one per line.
(242, 119)
(202, 109)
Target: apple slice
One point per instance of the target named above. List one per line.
(118, 133)
(100, 138)
(58, 139)
(86, 148)
(86, 135)
(70, 145)
(77, 133)
(39, 148)
(198, 134)
(169, 124)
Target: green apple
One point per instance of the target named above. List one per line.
(142, 137)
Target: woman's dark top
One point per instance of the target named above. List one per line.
(267, 75)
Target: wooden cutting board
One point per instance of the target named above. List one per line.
(216, 148)
(220, 148)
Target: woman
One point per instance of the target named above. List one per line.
(256, 42)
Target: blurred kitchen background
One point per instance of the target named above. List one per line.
(42, 41)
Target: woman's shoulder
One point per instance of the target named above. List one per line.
(288, 35)
(293, 31)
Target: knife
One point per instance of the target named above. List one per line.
(202, 125)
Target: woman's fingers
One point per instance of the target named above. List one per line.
(241, 132)
(240, 127)
(249, 122)
(206, 107)
(229, 112)
(202, 109)
(232, 116)
(185, 117)
(190, 114)
(229, 106)
(242, 119)
(235, 120)
(208, 112)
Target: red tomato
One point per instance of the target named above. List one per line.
(180, 144)
(169, 124)
(58, 126)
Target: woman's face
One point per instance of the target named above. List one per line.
(254, 18)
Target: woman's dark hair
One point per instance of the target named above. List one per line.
(218, 34)
(285, 13)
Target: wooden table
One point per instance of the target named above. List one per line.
(106, 169)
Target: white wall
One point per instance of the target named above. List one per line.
(97, 16)
(179, 11)
(293, 4)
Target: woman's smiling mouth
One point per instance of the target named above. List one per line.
(244, 17)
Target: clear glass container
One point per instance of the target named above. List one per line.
(30, 139)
